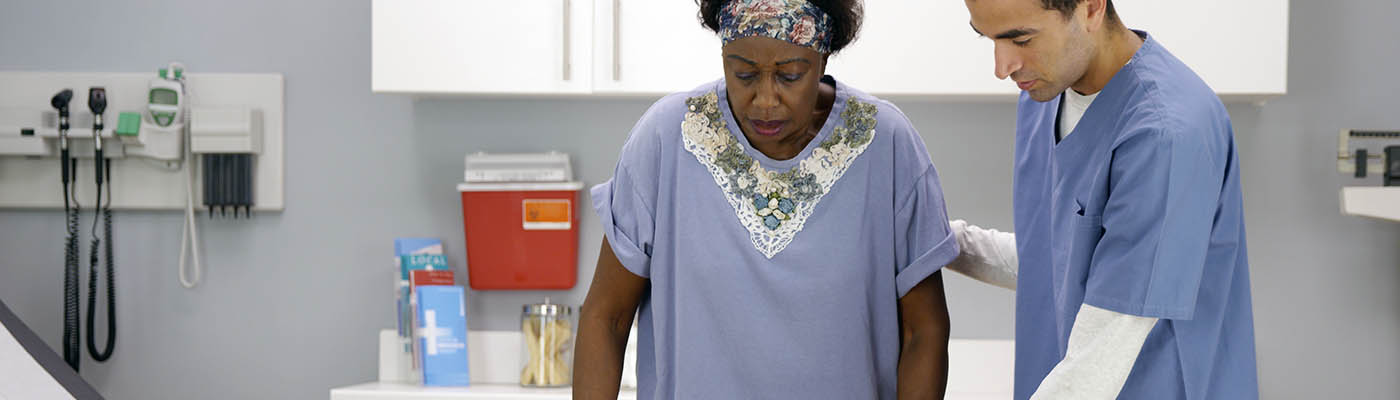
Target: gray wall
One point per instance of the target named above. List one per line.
(291, 302)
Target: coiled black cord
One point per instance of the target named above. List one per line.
(72, 348)
(105, 211)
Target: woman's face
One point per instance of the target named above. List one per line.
(772, 87)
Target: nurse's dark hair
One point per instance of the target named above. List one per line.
(1067, 7)
(845, 18)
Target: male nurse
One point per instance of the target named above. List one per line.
(1128, 257)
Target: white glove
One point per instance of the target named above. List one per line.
(987, 255)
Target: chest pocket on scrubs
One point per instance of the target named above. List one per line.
(1087, 230)
(1084, 232)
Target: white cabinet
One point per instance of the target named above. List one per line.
(651, 47)
(1240, 47)
(919, 48)
(928, 49)
(907, 48)
(481, 46)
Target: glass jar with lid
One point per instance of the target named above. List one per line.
(547, 335)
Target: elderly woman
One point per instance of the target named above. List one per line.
(779, 232)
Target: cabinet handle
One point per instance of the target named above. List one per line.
(568, 64)
(617, 40)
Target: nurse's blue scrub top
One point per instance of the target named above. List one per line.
(1138, 211)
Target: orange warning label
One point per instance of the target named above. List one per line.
(551, 214)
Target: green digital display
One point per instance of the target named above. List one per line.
(164, 97)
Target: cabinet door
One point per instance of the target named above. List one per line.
(652, 47)
(919, 48)
(927, 49)
(1239, 47)
(481, 46)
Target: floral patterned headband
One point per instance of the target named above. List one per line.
(794, 21)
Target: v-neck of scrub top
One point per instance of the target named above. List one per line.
(837, 107)
(1077, 148)
(1072, 105)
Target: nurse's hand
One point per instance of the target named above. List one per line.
(604, 322)
(987, 255)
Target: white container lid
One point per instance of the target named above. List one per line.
(519, 167)
(520, 187)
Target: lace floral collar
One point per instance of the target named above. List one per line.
(774, 205)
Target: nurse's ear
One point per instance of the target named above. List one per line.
(1097, 14)
(1091, 11)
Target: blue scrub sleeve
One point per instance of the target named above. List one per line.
(627, 221)
(923, 241)
(1156, 225)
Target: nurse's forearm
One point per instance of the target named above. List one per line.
(988, 255)
(923, 359)
(1103, 346)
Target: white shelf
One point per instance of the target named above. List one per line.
(388, 391)
(1372, 201)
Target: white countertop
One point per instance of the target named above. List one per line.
(393, 391)
(485, 391)
(981, 370)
